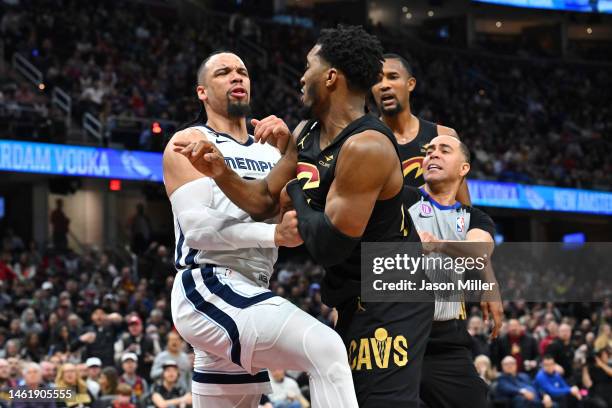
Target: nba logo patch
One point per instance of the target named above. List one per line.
(460, 223)
(426, 210)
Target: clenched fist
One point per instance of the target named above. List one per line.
(286, 233)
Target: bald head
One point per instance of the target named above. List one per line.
(565, 332)
(509, 365)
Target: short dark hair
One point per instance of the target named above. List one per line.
(202, 66)
(201, 117)
(353, 51)
(548, 357)
(402, 61)
(465, 151)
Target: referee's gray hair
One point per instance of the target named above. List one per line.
(27, 366)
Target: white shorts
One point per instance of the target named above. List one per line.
(216, 309)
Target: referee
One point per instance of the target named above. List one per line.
(449, 378)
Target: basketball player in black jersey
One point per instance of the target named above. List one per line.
(349, 190)
(392, 97)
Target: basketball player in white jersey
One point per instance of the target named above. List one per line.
(220, 301)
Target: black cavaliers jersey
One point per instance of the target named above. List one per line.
(413, 153)
(389, 221)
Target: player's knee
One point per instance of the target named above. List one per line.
(326, 350)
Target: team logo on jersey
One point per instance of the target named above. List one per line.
(310, 173)
(263, 278)
(414, 164)
(378, 351)
(460, 223)
(301, 142)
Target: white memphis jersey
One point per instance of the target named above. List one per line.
(250, 161)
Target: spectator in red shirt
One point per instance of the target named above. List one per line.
(518, 344)
(552, 330)
(6, 272)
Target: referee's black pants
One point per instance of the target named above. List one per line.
(448, 377)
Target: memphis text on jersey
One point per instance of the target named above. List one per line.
(243, 163)
(379, 351)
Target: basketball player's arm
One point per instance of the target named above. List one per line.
(259, 198)
(204, 227)
(478, 243)
(365, 164)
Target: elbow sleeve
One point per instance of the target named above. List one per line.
(206, 228)
(212, 230)
(324, 241)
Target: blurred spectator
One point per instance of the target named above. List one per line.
(158, 266)
(562, 350)
(139, 343)
(24, 269)
(59, 226)
(68, 378)
(94, 368)
(518, 344)
(32, 375)
(168, 391)
(6, 272)
(484, 369)
(32, 350)
(109, 380)
(550, 382)
(99, 339)
(29, 323)
(604, 337)
(139, 388)
(285, 391)
(61, 339)
(6, 382)
(174, 352)
(552, 331)
(124, 397)
(597, 379)
(480, 343)
(15, 369)
(48, 372)
(140, 228)
(518, 387)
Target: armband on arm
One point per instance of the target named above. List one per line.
(209, 229)
(323, 240)
(212, 230)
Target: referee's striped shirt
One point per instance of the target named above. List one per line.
(447, 222)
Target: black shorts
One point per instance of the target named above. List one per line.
(386, 343)
(449, 378)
